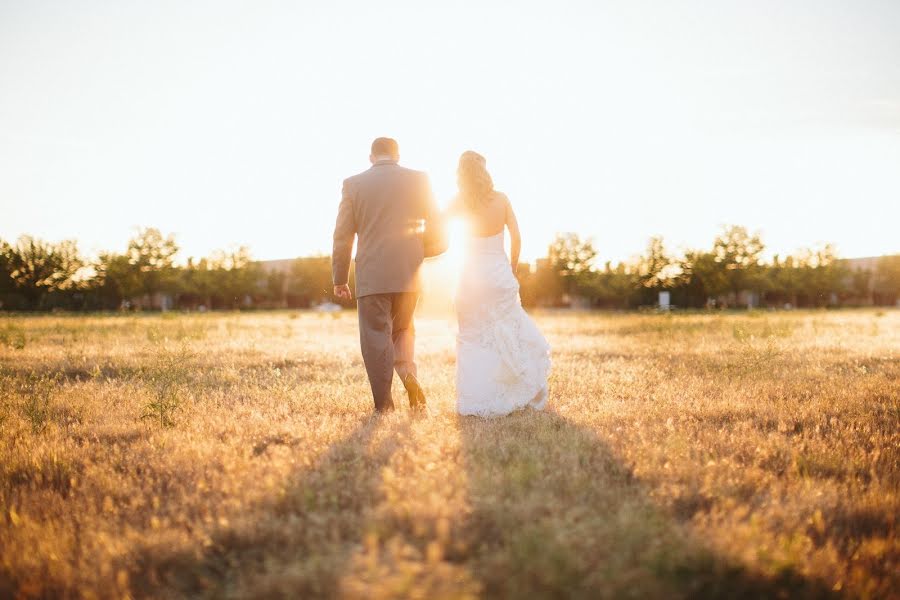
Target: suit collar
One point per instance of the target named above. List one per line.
(384, 161)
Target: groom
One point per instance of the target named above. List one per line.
(389, 208)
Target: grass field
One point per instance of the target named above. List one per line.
(235, 455)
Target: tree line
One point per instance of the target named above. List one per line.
(730, 273)
(40, 275)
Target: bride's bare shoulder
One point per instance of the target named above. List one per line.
(502, 200)
(500, 197)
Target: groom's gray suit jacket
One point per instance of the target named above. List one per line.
(387, 207)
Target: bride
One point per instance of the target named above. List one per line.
(502, 359)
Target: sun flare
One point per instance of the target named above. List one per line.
(440, 275)
(458, 236)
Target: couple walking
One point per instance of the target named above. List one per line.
(502, 359)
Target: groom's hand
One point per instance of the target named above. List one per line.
(343, 292)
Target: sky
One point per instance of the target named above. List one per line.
(234, 123)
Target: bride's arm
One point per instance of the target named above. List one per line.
(515, 237)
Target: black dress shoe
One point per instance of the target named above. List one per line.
(416, 395)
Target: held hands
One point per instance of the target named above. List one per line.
(343, 292)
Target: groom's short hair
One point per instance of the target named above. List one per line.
(385, 146)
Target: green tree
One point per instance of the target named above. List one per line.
(784, 278)
(655, 271)
(197, 282)
(825, 275)
(653, 266)
(7, 284)
(861, 283)
(8, 298)
(887, 279)
(616, 286)
(702, 277)
(115, 279)
(310, 280)
(739, 254)
(808, 278)
(527, 288)
(153, 257)
(37, 267)
(571, 258)
(546, 284)
(236, 275)
(276, 286)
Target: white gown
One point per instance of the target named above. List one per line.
(502, 360)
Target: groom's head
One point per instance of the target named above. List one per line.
(384, 148)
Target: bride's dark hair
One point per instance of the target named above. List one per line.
(474, 181)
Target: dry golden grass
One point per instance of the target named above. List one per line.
(744, 455)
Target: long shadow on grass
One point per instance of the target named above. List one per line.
(293, 546)
(557, 515)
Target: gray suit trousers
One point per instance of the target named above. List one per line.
(387, 338)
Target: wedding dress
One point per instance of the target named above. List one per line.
(502, 358)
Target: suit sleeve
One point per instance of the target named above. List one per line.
(344, 232)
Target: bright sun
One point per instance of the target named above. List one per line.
(440, 275)
(458, 235)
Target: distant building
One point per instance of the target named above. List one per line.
(296, 282)
(276, 278)
(867, 263)
(161, 301)
(861, 280)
